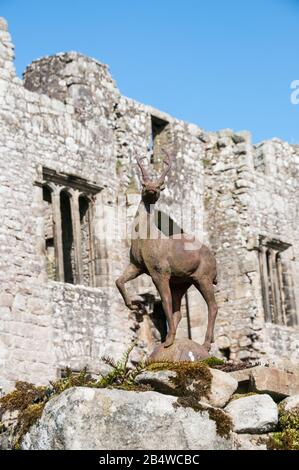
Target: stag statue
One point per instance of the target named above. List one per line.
(174, 262)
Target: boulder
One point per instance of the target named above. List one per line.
(99, 419)
(222, 388)
(222, 385)
(290, 403)
(181, 350)
(277, 383)
(255, 414)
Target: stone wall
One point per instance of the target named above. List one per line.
(250, 192)
(39, 131)
(67, 115)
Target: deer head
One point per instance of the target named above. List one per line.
(151, 189)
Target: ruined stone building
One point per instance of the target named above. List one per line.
(68, 144)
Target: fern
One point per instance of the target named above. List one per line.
(121, 374)
(109, 361)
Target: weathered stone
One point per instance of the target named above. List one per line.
(9, 418)
(290, 403)
(6, 300)
(275, 382)
(180, 350)
(96, 419)
(222, 388)
(250, 441)
(5, 440)
(255, 414)
(285, 364)
(238, 138)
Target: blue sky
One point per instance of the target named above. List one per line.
(217, 63)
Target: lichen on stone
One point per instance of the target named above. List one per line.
(224, 424)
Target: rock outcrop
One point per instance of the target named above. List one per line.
(86, 418)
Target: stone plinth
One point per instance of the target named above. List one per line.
(180, 350)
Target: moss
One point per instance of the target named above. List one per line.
(23, 395)
(287, 437)
(234, 366)
(224, 424)
(192, 378)
(213, 361)
(26, 419)
(236, 396)
(289, 419)
(29, 401)
(284, 440)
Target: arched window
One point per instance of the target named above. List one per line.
(68, 222)
(49, 232)
(67, 237)
(278, 298)
(86, 238)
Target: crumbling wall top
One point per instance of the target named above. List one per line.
(74, 79)
(6, 52)
(3, 24)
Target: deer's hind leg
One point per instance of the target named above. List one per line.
(205, 286)
(177, 292)
(131, 272)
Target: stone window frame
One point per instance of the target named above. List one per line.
(272, 283)
(159, 129)
(76, 187)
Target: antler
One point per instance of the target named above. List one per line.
(144, 173)
(167, 161)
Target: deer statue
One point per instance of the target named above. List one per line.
(174, 262)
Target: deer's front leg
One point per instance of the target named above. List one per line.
(131, 272)
(162, 284)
